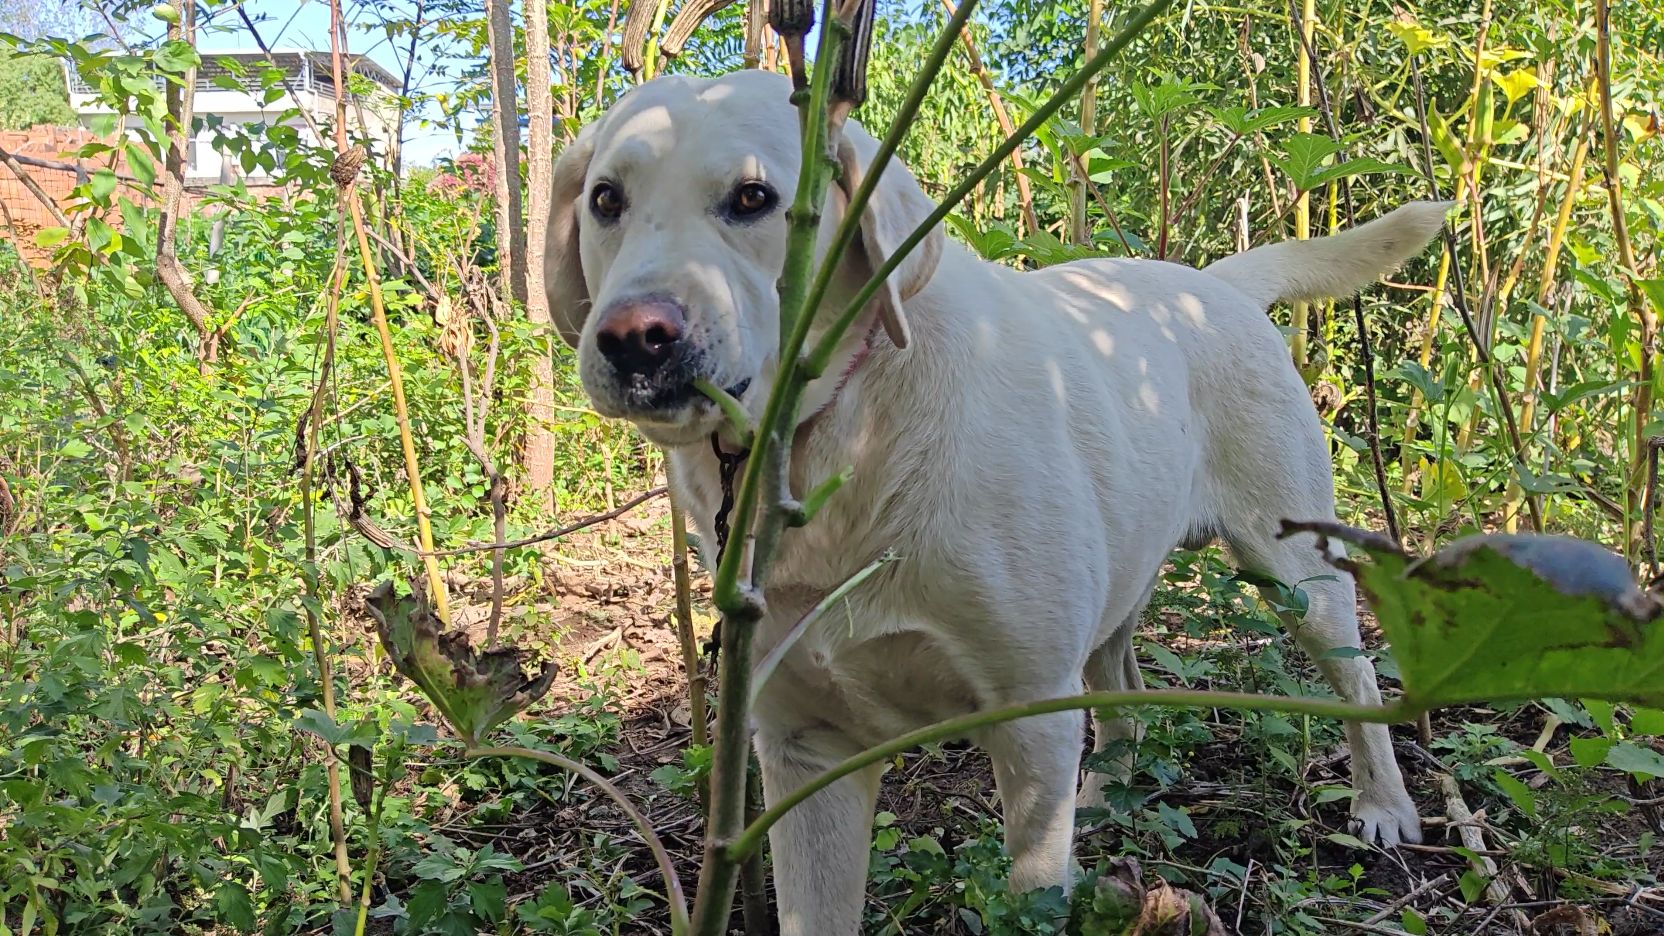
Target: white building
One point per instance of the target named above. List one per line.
(235, 88)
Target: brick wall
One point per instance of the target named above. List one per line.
(59, 144)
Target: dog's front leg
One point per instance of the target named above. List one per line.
(820, 847)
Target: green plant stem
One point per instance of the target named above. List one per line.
(828, 344)
(309, 572)
(752, 837)
(850, 224)
(738, 419)
(771, 660)
(770, 455)
(684, 621)
(672, 884)
(741, 609)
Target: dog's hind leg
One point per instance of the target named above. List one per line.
(820, 848)
(1036, 764)
(1113, 667)
(1382, 807)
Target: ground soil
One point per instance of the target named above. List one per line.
(608, 596)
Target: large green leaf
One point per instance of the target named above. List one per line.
(1511, 617)
(475, 691)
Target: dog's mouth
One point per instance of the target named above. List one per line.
(675, 404)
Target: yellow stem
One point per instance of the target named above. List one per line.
(1534, 345)
(1425, 357)
(1301, 313)
(401, 412)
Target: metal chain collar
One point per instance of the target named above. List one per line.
(728, 467)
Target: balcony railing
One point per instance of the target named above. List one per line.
(301, 73)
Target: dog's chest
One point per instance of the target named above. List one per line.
(875, 663)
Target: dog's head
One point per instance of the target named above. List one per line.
(667, 235)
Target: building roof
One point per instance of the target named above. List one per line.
(362, 64)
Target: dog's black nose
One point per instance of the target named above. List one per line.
(639, 335)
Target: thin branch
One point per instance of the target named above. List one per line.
(771, 660)
(674, 895)
(1065, 93)
(557, 533)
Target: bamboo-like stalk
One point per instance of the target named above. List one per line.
(1300, 314)
(378, 308)
(1534, 344)
(1002, 116)
(738, 598)
(1635, 484)
(309, 572)
(650, 49)
(684, 622)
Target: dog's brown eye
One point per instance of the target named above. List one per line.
(606, 201)
(751, 199)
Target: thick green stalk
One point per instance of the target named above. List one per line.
(752, 837)
(828, 345)
(742, 607)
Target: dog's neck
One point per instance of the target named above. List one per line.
(822, 392)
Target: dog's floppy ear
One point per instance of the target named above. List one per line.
(563, 272)
(895, 209)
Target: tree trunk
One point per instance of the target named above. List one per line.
(169, 270)
(505, 114)
(540, 437)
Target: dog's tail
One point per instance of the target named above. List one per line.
(1330, 267)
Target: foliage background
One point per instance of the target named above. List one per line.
(161, 755)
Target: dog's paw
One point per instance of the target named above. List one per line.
(1386, 819)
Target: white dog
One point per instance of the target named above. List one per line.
(1033, 453)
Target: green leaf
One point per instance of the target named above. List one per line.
(1633, 758)
(1417, 38)
(1412, 922)
(76, 448)
(1356, 167)
(1647, 721)
(488, 899)
(176, 56)
(1176, 819)
(1517, 791)
(1587, 752)
(51, 237)
(1303, 156)
(102, 183)
(1509, 618)
(233, 905)
(1242, 121)
(475, 691)
(1473, 884)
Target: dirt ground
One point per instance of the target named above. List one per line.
(609, 592)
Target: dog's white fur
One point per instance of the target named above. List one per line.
(1033, 456)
